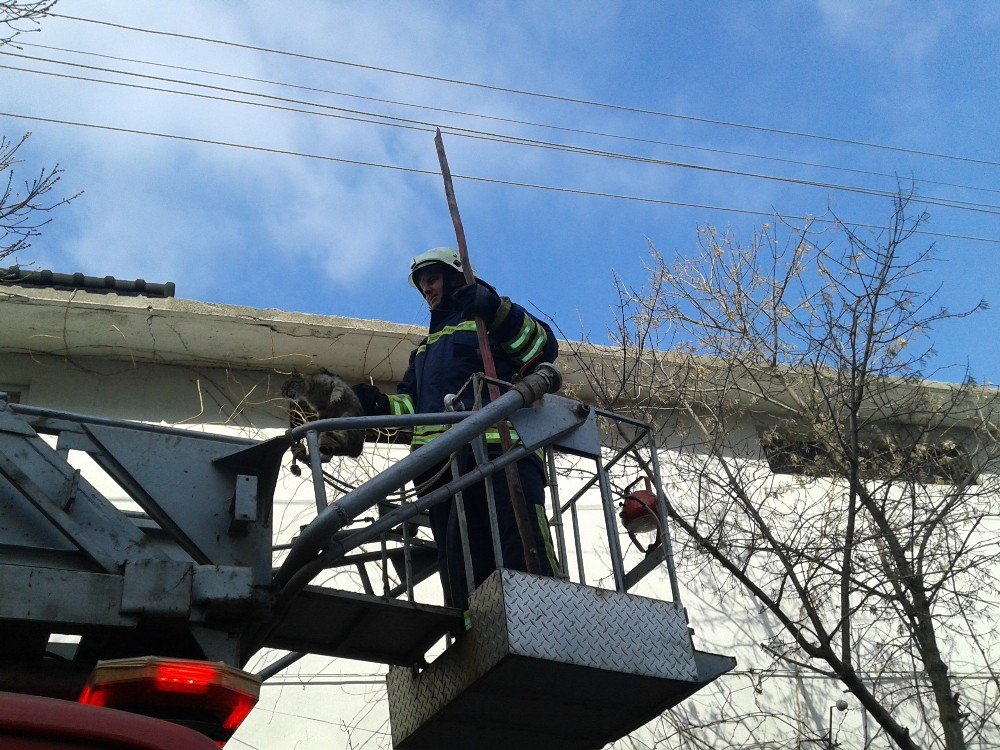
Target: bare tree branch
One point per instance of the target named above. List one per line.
(20, 16)
(24, 207)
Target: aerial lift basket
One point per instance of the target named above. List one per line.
(550, 664)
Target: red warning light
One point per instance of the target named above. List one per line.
(213, 698)
(185, 677)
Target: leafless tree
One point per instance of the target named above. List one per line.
(818, 471)
(18, 16)
(24, 207)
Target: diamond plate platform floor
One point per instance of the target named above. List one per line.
(550, 664)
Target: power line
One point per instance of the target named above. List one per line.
(411, 124)
(537, 94)
(488, 180)
(511, 120)
(325, 683)
(211, 142)
(365, 118)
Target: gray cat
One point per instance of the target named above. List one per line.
(323, 395)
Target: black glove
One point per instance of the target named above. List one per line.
(373, 401)
(477, 299)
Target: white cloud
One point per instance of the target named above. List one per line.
(909, 32)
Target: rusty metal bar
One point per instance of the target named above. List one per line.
(515, 491)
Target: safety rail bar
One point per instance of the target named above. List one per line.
(55, 421)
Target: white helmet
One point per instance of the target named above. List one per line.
(447, 256)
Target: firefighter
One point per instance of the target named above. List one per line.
(440, 365)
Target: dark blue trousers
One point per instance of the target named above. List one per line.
(445, 527)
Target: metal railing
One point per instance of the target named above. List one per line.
(559, 426)
(345, 533)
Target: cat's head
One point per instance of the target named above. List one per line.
(295, 387)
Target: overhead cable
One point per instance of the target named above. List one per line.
(510, 120)
(299, 681)
(537, 94)
(426, 126)
(492, 181)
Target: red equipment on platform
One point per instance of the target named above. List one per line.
(639, 515)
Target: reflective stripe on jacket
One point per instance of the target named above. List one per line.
(423, 434)
(445, 360)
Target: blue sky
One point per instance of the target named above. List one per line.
(267, 230)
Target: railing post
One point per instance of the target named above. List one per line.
(612, 524)
(479, 451)
(463, 531)
(557, 523)
(661, 511)
(316, 468)
(407, 560)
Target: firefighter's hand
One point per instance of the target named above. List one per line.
(373, 401)
(477, 300)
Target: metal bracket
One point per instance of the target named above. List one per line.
(652, 559)
(573, 423)
(245, 504)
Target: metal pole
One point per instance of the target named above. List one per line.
(481, 454)
(514, 489)
(557, 523)
(407, 561)
(463, 531)
(574, 515)
(51, 414)
(609, 519)
(479, 451)
(316, 468)
(661, 512)
(366, 581)
(283, 663)
(383, 542)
